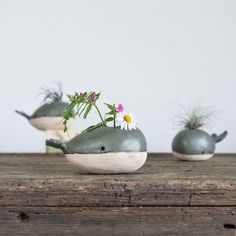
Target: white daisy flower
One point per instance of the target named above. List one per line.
(126, 121)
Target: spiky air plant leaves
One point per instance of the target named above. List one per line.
(194, 117)
(52, 94)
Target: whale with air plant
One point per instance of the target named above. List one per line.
(114, 145)
(192, 143)
(49, 116)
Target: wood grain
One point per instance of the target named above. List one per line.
(118, 221)
(49, 180)
(45, 195)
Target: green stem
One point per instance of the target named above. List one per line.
(99, 113)
(114, 122)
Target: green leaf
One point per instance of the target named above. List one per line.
(109, 119)
(88, 109)
(110, 113)
(98, 95)
(111, 107)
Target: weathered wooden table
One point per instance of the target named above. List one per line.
(44, 195)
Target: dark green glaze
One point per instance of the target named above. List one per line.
(47, 110)
(102, 140)
(196, 142)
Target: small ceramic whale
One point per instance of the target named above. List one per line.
(105, 150)
(195, 144)
(48, 116)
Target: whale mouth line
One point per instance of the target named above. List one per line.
(193, 157)
(103, 153)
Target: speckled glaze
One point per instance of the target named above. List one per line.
(195, 144)
(126, 149)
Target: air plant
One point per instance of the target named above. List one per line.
(52, 94)
(195, 117)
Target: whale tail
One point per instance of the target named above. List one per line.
(219, 138)
(56, 144)
(23, 114)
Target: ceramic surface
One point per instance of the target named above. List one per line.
(195, 144)
(105, 150)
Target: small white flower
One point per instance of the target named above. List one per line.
(126, 121)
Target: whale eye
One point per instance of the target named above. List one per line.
(203, 152)
(103, 148)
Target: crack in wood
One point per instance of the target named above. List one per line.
(129, 201)
(229, 226)
(190, 199)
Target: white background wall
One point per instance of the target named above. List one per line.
(151, 55)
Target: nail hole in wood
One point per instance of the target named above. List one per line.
(23, 217)
(229, 226)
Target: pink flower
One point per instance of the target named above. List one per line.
(120, 108)
(92, 97)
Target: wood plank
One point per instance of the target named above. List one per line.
(162, 166)
(49, 180)
(118, 221)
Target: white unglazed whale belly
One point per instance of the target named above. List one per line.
(50, 123)
(202, 157)
(105, 163)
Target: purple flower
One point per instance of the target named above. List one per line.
(92, 97)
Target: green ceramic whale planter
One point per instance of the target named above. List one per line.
(102, 148)
(192, 143)
(195, 145)
(48, 116)
(105, 150)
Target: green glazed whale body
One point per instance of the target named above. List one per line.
(103, 140)
(195, 144)
(49, 116)
(47, 110)
(105, 150)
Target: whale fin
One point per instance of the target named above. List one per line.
(23, 114)
(219, 138)
(56, 144)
